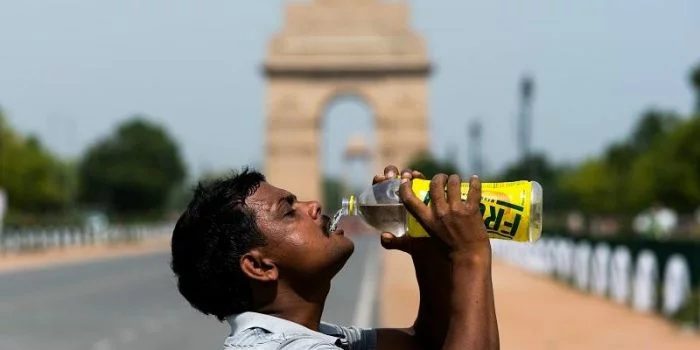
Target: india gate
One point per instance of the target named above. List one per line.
(331, 48)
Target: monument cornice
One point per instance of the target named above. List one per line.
(376, 71)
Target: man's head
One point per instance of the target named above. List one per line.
(240, 236)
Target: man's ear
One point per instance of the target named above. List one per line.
(256, 266)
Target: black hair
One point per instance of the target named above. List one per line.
(210, 237)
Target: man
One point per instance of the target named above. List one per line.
(256, 256)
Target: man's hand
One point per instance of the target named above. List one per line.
(459, 225)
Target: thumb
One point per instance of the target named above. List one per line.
(391, 242)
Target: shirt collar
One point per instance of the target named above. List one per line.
(247, 320)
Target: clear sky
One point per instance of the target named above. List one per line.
(71, 69)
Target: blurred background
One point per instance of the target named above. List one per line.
(111, 111)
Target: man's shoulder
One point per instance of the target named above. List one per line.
(253, 330)
(357, 337)
(261, 339)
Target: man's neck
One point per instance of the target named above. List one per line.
(288, 305)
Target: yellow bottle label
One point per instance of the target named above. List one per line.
(505, 208)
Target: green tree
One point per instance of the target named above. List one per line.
(134, 171)
(542, 169)
(590, 187)
(623, 179)
(684, 147)
(34, 179)
(180, 197)
(630, 191)
(651, 128)
(546, 174)
(430, 166)
(669, 172)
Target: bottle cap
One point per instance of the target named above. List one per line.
(349, 205)
(535, 229)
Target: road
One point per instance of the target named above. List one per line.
(132, 303)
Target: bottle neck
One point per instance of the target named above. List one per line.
(349, 206)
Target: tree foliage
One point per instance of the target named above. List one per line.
(538, 168)
(134, 170)
(659, 161)
(32, 177)
(651, 128)
(591, 187)
(673, 167)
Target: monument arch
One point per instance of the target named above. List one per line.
(327, 49)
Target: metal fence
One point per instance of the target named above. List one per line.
(37, 239)
(646, 275)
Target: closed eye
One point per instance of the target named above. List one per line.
(286, 205)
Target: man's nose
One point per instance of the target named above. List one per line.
(314, 209)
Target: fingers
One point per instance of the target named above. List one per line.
(391, 242)
(406, 174)
(413, 204)
(412, 174)
(378, 178)
(437, 194)
(391, 171)
(474, 195)
(417, 174)
(453, 190)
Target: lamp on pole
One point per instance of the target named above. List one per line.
(474, 140)
(527, 90)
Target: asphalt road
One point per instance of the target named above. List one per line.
(132, 303)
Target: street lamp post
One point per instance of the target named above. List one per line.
(527, 87)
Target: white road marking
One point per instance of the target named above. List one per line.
(368, 290)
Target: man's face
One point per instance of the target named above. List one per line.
(297, 233)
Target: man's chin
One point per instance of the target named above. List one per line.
(347, 245)
(343, 250)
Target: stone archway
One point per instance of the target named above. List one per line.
(336, 47)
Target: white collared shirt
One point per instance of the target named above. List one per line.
(252, 330)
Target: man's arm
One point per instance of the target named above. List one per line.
(439, 295)
(430, 327)
(397, 338)
(441, 277)
(472, 311)
(433, 274)
(472, 316)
